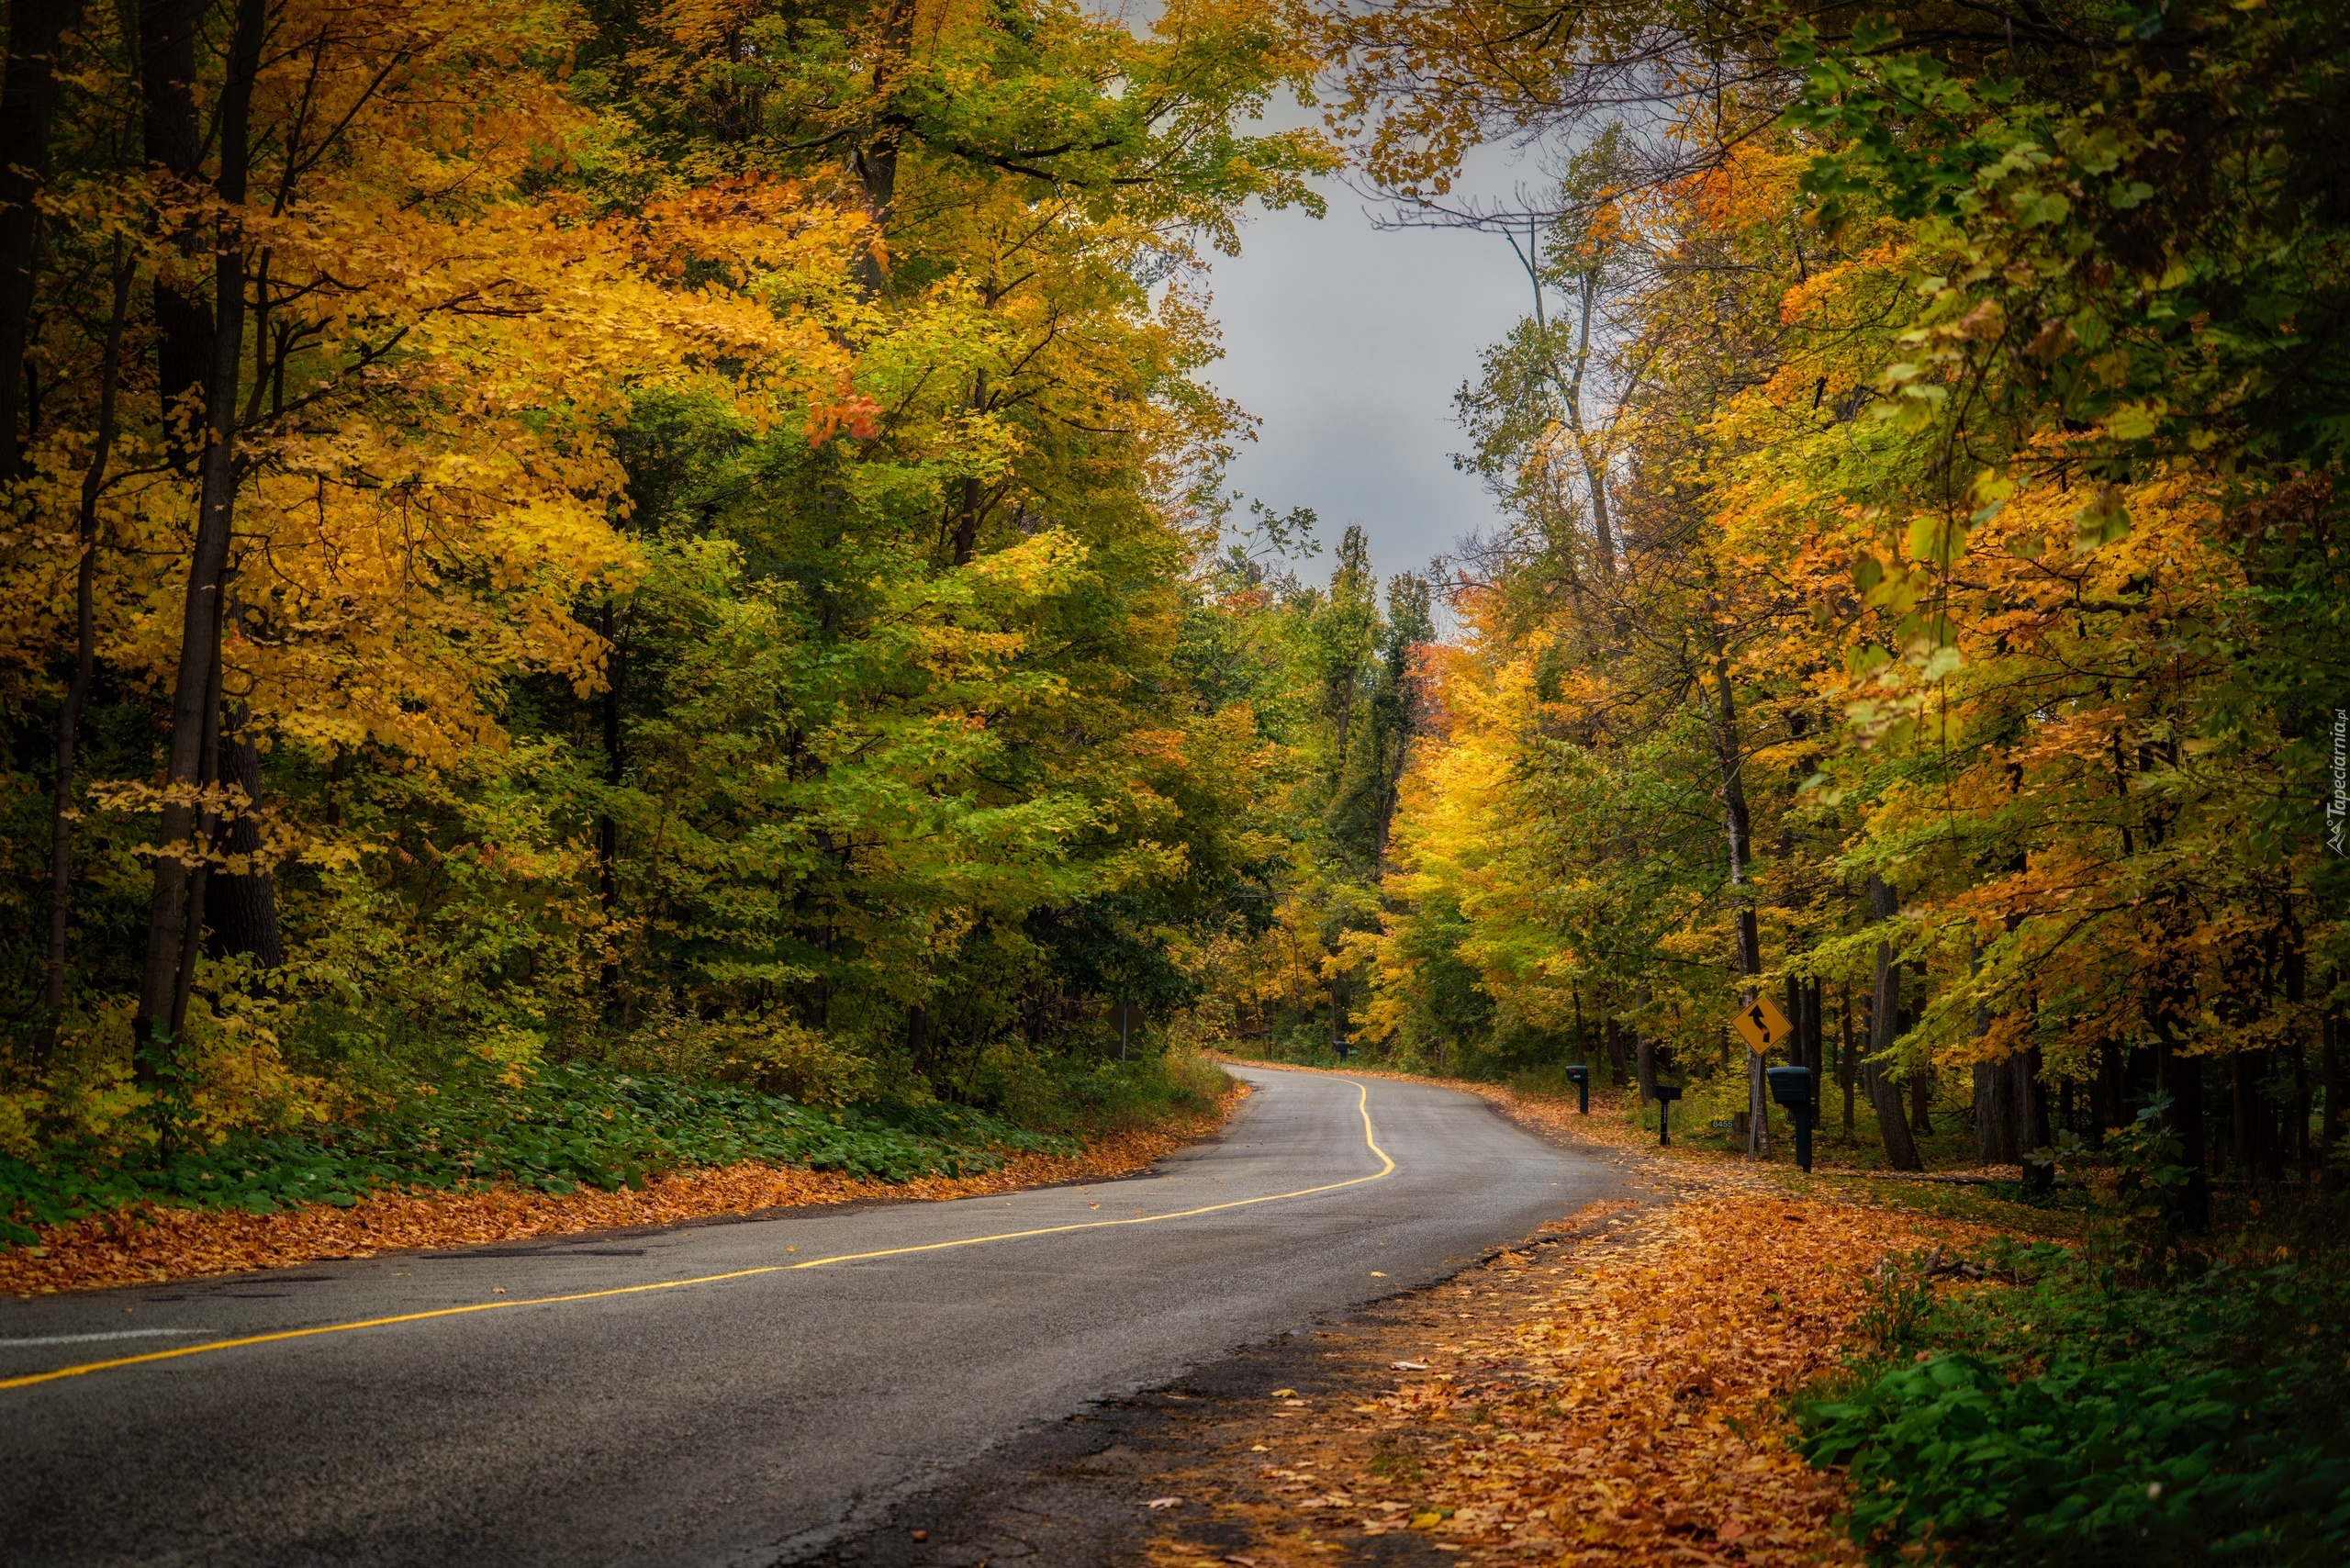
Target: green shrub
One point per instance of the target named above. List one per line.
(2080, 1420)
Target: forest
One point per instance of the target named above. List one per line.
(615, 586)
(1921, 598)
(664, 540)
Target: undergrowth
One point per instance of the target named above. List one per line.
(2109, 1407)
(555, 1129)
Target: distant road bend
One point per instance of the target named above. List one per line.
(721, 1392)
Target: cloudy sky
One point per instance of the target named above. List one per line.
(1347, 343)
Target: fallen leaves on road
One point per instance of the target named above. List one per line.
(137, 1247)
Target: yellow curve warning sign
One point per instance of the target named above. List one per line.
(1761, 1025)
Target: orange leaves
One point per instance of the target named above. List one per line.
(845, 411)
(1625, 1404)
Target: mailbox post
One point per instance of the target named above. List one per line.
(1665, 1095)
(1791, 1087)
(1582, 1076)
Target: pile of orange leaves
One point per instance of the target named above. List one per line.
(1622, 1399)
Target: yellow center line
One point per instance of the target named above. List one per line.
(1362, 1105)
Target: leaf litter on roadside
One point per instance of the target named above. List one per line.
(140, 1245)
(1616, 1398)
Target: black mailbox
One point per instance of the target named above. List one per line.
(1581, 1077)
(1666, 1094)
(1791, 1087)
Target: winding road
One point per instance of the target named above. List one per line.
(726, 1390)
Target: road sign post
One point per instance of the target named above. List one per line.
(1582, 1080)
(1665, 1095)
(1791, 1087)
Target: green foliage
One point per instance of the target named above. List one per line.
(857, 764)
(2081, 1418)
(568, 1127)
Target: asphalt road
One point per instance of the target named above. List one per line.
(841, 1360)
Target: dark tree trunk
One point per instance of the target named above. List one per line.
(1982, 1104)
(875, 162)
(193, 707)
(1816, 1045)
(1885, 1095)
(2034, 1143)
(1847, 1062)
(2109, 1097)
(1992, 1147)
(1643, 1052)
(242, 905)
(1730, 759)
(28, 99)
(973, 506)
(207, 832)
(1920, 1083)
(86, 663)
(184, 347)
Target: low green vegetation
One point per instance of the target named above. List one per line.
(568, 1127)
(2130, 1401)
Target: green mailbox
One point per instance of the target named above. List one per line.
(1581, 1077)
(1666, 1094)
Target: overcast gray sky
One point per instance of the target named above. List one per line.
(1347, 343)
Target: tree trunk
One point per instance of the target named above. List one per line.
(1816, 1048)
(973, 506)
(184, 347)
(874, 160)
(27, 98)
(86, 663)
(1644, 1050)
(1595, 463)
(243, 903)
(1990, 1147)
(1885, 1095)
(1728, 755)
(2034, 1143)
(2110, 1094)
(1987, 1114)
(1846, 1066)
(207, 833)
(193, 715)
